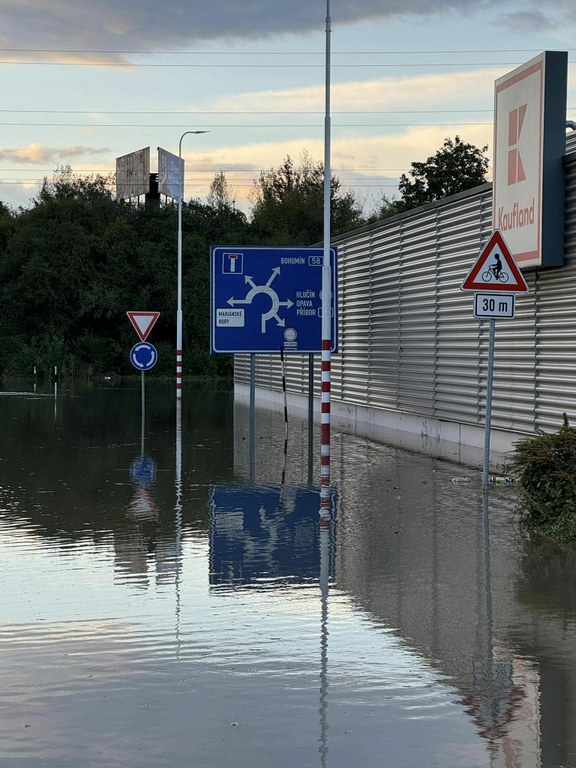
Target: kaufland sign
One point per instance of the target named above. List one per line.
(529, 143)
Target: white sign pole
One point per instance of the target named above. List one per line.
(495, 270)
(179, 307)
(490, 376)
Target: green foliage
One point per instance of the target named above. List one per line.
(455, 167)
(289, 205)
(73, 265)
(546, 465)
(77, 261)
(386, 208)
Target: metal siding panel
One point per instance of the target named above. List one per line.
(555, 386)
(408, 338)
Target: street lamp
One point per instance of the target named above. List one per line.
(179, 308)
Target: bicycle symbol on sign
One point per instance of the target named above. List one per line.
(495, 271)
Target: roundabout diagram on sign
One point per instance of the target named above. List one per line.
(276, 303)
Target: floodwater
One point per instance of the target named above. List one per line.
(168, 597)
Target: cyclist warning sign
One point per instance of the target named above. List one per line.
(495, 269)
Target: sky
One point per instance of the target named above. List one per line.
(84, 83)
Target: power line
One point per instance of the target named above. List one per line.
(267, 65)
(199, 170)
(237, 112)
(229, 125)
(236, 53)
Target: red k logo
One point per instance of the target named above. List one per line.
(516, 171)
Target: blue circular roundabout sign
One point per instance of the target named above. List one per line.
(143, 356)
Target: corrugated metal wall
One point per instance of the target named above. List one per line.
(409, 341)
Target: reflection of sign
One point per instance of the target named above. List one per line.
(265, 299)
(143, 322)
(494, 698)
(133, 174)
(529, 142)
(143, 356)
(143, 471)
(495, 269)
(266, 535)
(142, 506)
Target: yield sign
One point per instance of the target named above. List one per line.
(495, 269)
(143, 322)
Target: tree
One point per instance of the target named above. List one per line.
(66, 185)
(456, 166)
(220, 196)
(386, 208)
(289, 204)
(219, 220)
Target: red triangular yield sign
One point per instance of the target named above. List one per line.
(495, 269)
(143, 322)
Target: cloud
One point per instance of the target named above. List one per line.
(535, 18)
(371, 166)
(526, 22)
(108, 25)
(37, 154)
(412, 92)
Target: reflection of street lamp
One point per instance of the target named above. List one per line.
(179, 309)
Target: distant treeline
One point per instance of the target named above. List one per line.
(74, 263)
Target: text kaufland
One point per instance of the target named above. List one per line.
(516, 217)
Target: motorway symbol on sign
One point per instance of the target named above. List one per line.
(266, 299)
(494, 305)
(143, 322)
(495, 269)
(143, 356)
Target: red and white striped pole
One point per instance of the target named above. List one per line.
(179, 305)
(326, 301)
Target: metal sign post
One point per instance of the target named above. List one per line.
(496, 271)
(273, 299)
(143, 356)
(179, 342)
(490, 378)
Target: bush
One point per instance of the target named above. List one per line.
(546, 466)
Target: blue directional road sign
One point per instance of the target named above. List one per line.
(266, 299)
(143, 356)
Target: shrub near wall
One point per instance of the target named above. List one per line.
(546, 466)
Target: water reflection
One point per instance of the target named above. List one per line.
(224, 621)
(143, 473)
(261, 536)
(326, 537)
(134, 546)
(267, 538)
(503, 699)
(416, 551)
